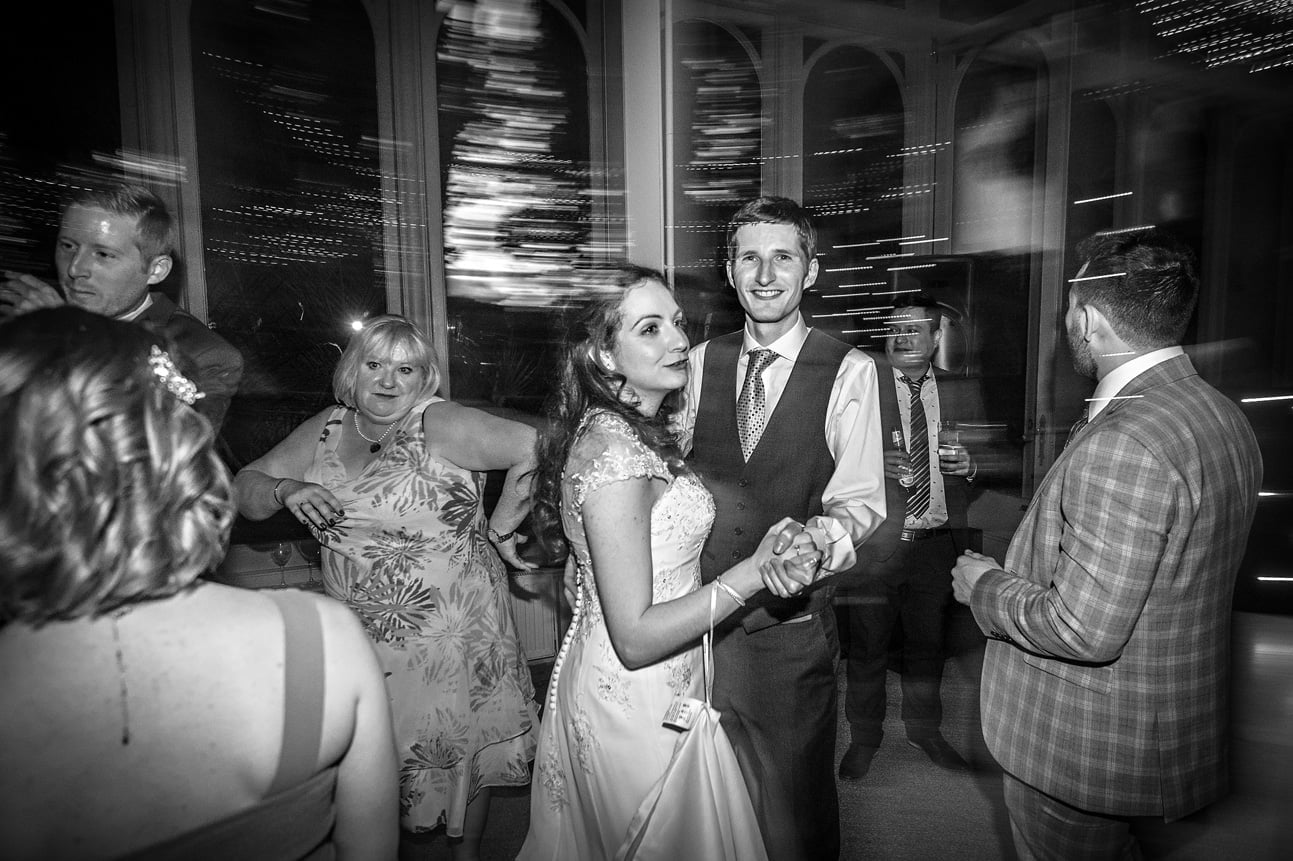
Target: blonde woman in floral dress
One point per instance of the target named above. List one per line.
(390, 482)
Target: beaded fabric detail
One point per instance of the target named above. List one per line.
(170, 378)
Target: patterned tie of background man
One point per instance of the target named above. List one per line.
(918, 450)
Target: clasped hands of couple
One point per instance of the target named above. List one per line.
(788, 559)
(793, 560)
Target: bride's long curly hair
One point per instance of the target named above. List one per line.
(584, 384)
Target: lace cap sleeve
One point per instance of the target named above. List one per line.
(608, 451)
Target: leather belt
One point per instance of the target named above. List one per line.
(919, 534)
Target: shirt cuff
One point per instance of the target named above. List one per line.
(840, 554)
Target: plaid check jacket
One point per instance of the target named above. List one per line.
(1105, 681)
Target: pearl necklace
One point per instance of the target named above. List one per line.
(376, 443)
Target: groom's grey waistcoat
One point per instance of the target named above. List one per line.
(786, 473)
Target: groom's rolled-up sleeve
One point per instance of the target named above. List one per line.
(853, 505)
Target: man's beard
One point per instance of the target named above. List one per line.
(1080, 349)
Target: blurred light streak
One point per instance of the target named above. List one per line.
(1105, 197)
(1097, 277)
(1132, 229)
(880, 241)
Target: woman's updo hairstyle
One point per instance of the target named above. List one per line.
(114, 492)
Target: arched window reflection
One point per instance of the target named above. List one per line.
(853, 178)
(996, 210)
(997, 113)
(717, 157)
(514, 159)
(286, 108)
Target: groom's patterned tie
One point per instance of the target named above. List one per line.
(751, 406)
(918, 450)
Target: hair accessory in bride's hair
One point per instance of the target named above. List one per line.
(169, 376)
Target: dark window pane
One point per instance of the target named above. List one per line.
(60, 113)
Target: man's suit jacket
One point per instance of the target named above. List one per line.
(213, 364)
(1105, 677)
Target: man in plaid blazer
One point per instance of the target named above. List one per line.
(1106, 672)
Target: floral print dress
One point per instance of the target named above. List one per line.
(411, 558)
(602, 746)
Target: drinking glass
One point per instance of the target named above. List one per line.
(281, 553)
(312, 553)
(949, 445)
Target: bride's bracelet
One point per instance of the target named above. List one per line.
(718, 581)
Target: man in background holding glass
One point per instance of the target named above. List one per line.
(914, 584)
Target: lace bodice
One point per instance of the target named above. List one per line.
(608, 451)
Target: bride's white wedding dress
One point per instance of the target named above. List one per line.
(602, 746)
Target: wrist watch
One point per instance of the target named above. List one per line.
(496, 538)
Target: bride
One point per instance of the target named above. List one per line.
(611, 476)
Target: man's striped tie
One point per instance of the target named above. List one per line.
(918, 450)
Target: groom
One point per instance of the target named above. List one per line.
(782, 420)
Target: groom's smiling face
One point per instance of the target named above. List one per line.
(770, 272)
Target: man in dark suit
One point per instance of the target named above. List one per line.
(781, 420)
(1105, 680)
(114, 242)
(912, 584)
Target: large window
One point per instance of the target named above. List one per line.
(999, 126)
(854, 125)
(286, 110)
(516, 180)
(718, 122)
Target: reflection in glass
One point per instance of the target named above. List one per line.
(996, 210)
(718, 124)
(514, 150)
(853, 183)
